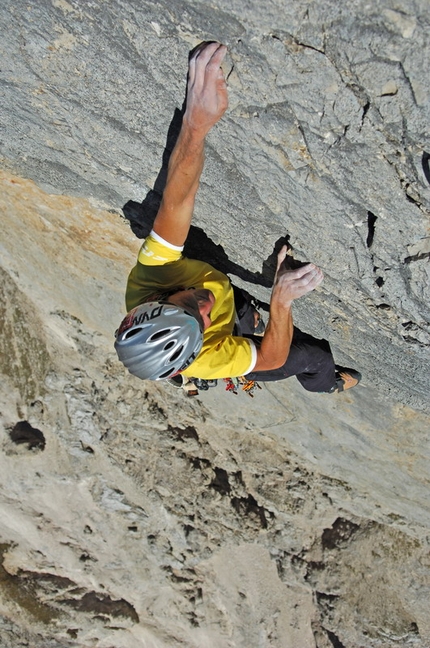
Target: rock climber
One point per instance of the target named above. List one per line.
(182, 315)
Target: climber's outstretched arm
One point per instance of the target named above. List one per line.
(206, 103)
(288, 286)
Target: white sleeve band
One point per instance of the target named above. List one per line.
(253, 358)
(159, 239)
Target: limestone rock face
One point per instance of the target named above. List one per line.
(326, 141)
(130, 515)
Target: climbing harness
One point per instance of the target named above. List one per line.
(192, 386)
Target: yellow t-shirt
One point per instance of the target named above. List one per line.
(160, 267)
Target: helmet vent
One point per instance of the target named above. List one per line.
(132, 332)
(166, 374)
(158, 334)
(176, 354)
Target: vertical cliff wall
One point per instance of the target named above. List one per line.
(132, 516)
(326, 140)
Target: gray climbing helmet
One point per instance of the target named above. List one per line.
(156, 340)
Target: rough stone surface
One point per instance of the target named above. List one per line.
(324, 141)
(131, 516)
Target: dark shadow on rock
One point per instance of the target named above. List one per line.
(141, 215)
(23, 432)
(425, 163)
(198, 245)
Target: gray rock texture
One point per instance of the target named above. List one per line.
(324, 141)
(132, 516)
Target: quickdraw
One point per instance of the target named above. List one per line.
(248, 386)
(231, 385)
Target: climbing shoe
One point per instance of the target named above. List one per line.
(345, 379)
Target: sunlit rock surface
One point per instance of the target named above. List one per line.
(132, 516)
